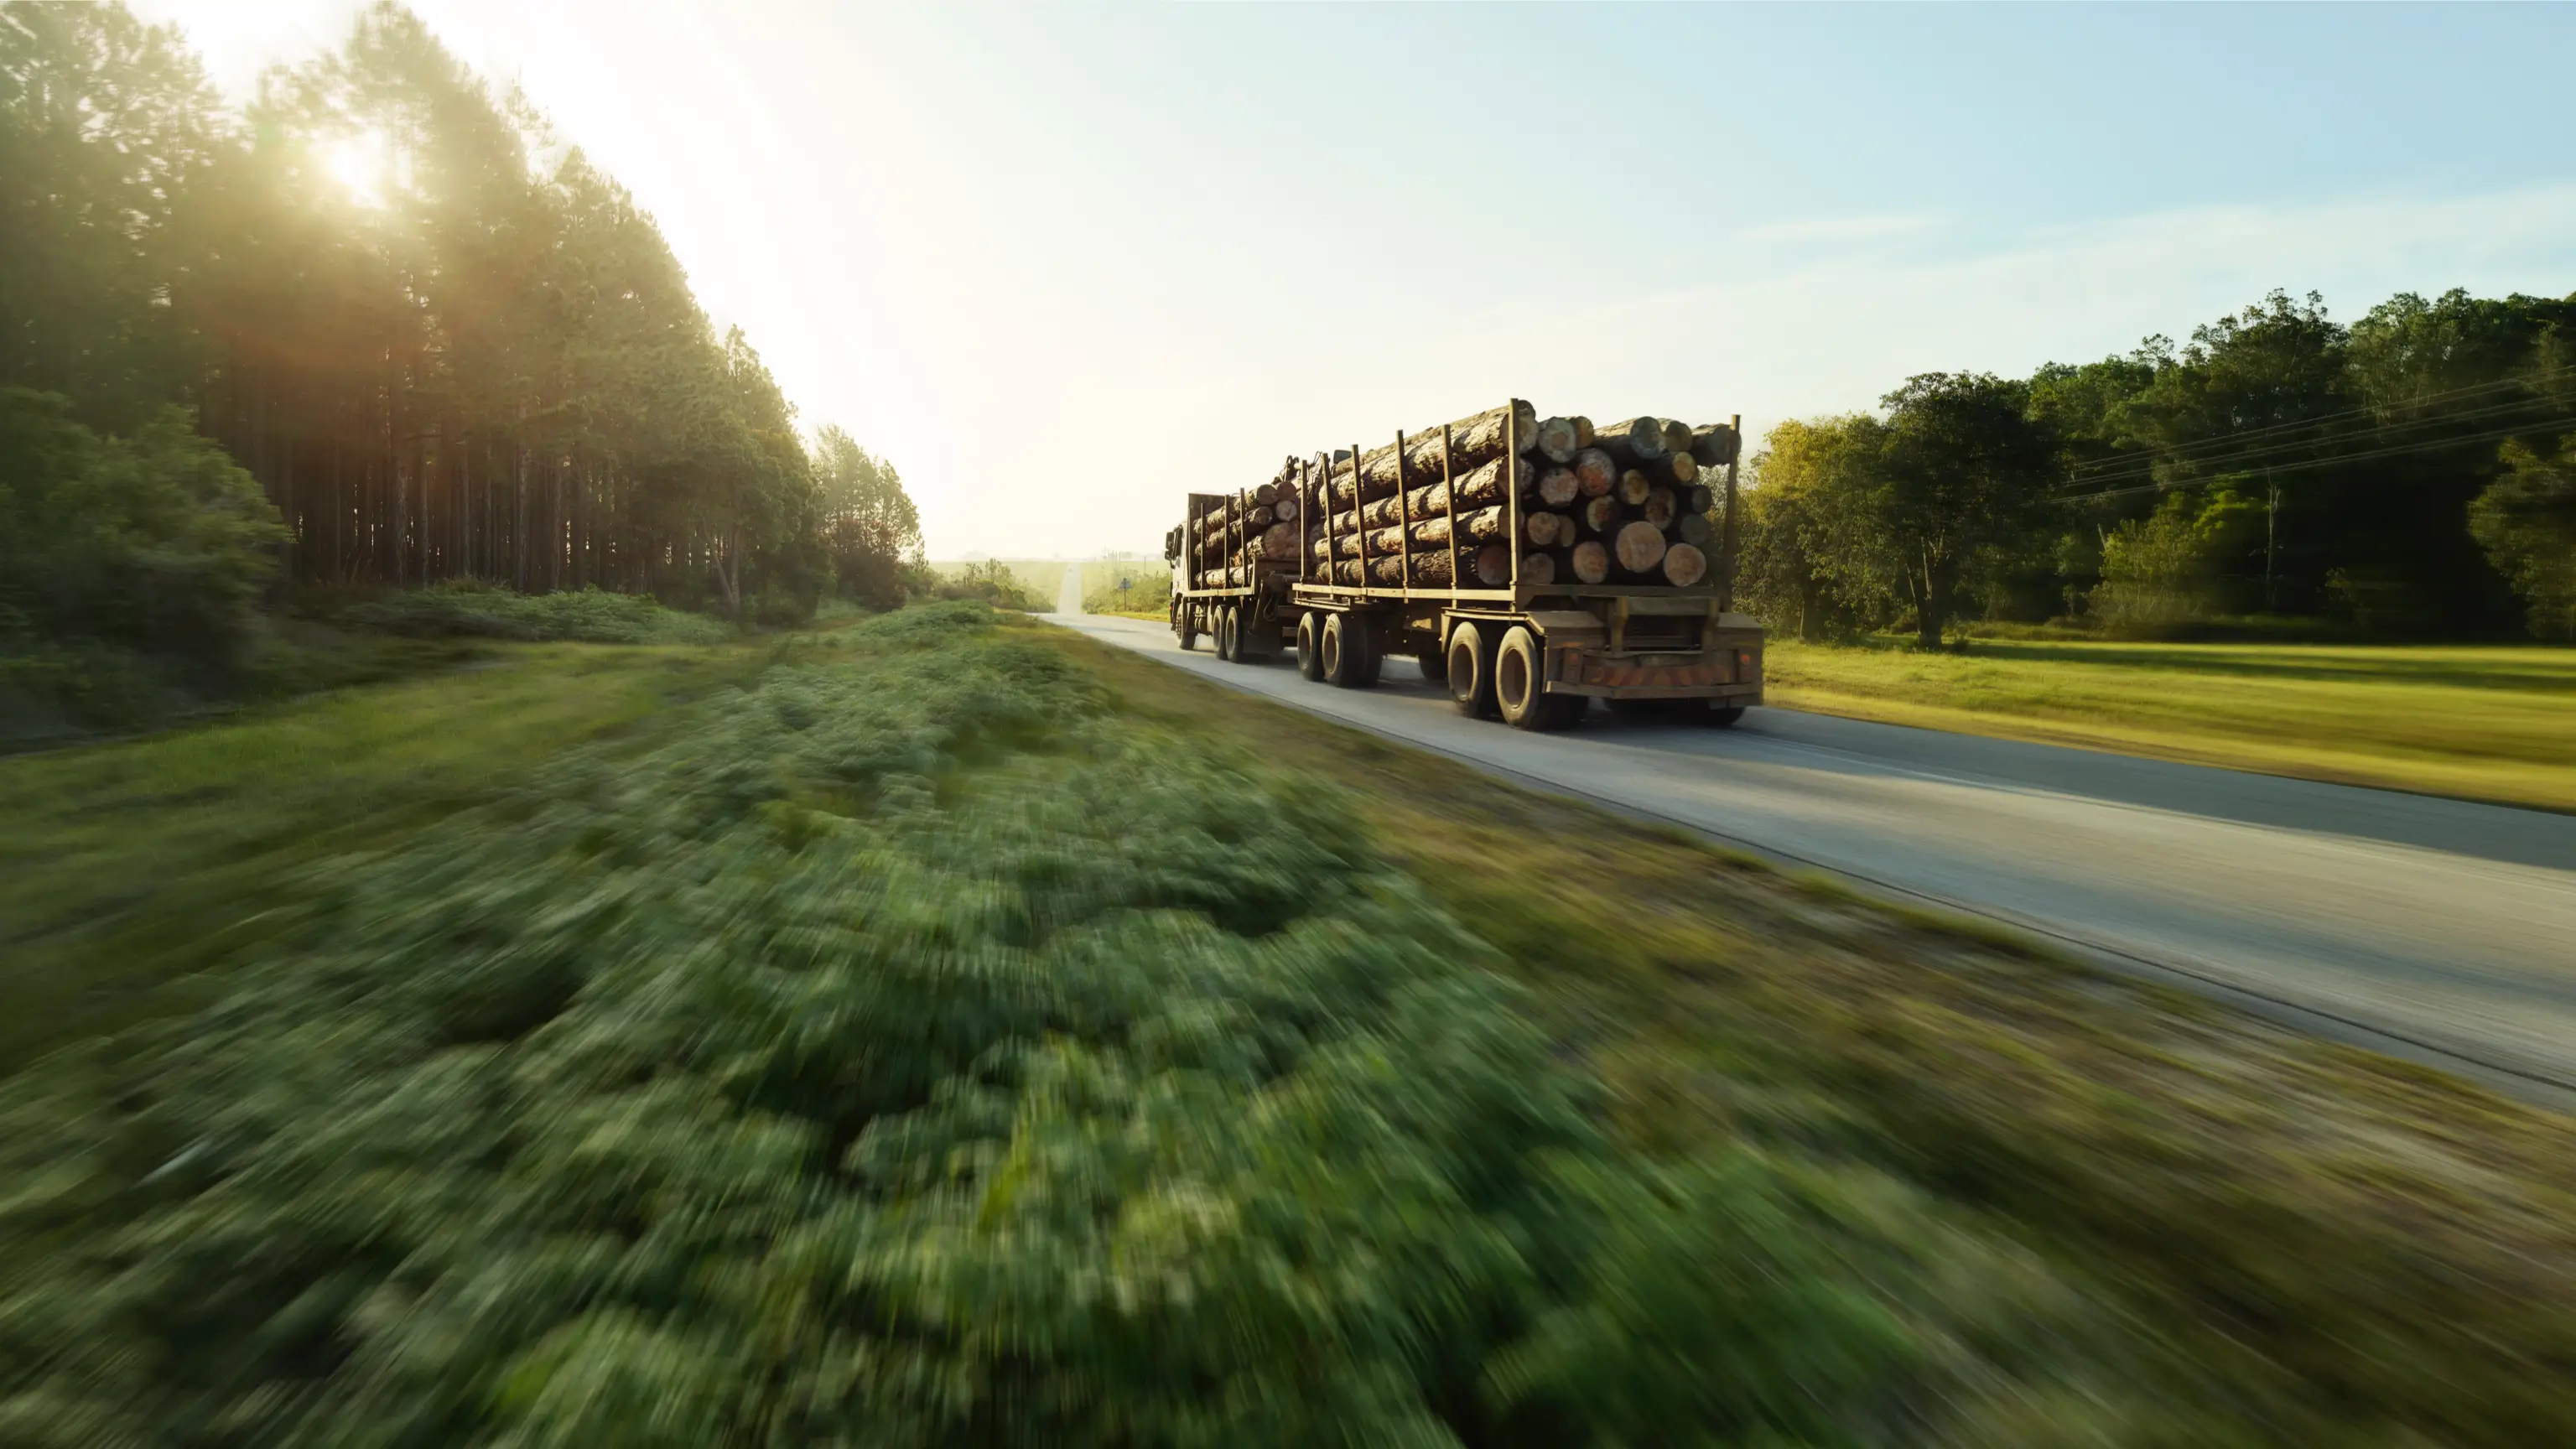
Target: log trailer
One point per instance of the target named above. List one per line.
(1388, 561)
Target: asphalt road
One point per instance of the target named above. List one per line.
(2436, 929)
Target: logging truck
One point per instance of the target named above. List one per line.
(1529, 565)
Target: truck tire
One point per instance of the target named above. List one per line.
(1520, 686)
(1310, 654)
(1345, 661)
(1187, 626)
(1225, 634)
(1471, 672)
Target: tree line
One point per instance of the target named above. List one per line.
(2412, 474)
(442, 343)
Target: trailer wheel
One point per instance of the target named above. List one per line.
(1187, 626)
(1520, 686)
(1344, 658)
(1471, 672)
(1310, 656)
(1229, 634)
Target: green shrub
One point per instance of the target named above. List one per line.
(471, 608)
(128, 566)
(907, 1051)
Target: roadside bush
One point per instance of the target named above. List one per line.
(909, 1052)
(128, 566)
(2526, 522)
(471, 608)
(2158, 576)
(990, 581)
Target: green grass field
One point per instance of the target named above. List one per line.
(2086, 1211)
(127, 867)
(2486, 723)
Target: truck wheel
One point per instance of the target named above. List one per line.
(1520, 686)
(1225, 634)
(1310, 655)
(1724, 718)
(1345, 651)
(1186, 624)
(1471, 672)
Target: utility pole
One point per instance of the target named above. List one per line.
(2271, 539)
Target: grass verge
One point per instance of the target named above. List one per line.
(972, 1033)
(128, 867)
(2284, 1240)
(2495, 724)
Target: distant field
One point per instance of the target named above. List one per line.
(2481, 723)
(1044, 578)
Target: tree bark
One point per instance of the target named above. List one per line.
(1473, 442)
(1637, 440)
(1485, 485)
(1714, 445)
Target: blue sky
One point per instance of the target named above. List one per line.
(987, 238)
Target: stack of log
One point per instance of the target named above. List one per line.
(1625, 503)
(1240, 537)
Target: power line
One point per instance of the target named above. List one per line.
(2363, 456)
(2236, 438)
(2145, 467)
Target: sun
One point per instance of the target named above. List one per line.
(357, 162)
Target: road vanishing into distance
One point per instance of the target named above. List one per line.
(2433, 929)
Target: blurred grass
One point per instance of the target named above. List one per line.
(127, 866)
(2288, 1241)
(2275, 1239)
(2487, 723)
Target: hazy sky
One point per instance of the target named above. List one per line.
(1063, 264)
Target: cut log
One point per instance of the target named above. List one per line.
(1634, 487)
(1480, 526)
(1557, 486)
(1538, 568)
(1485, 485)
(1285, 510)
(1582, 432)
(1685, 565)
(1473, 443)
(1692, 528)
(1556, 440)
(1638, 440)
(1595, 472)
(1677, 436)
(1599, 514)
(1678, 469)
(1547, 530)
(1640, 546)
(1714, 445)
(1661, 507)
(1266, 495)
(1591, 562)
(1494, 566)
(1698, 500)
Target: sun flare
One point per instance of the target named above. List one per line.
(358, 164)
